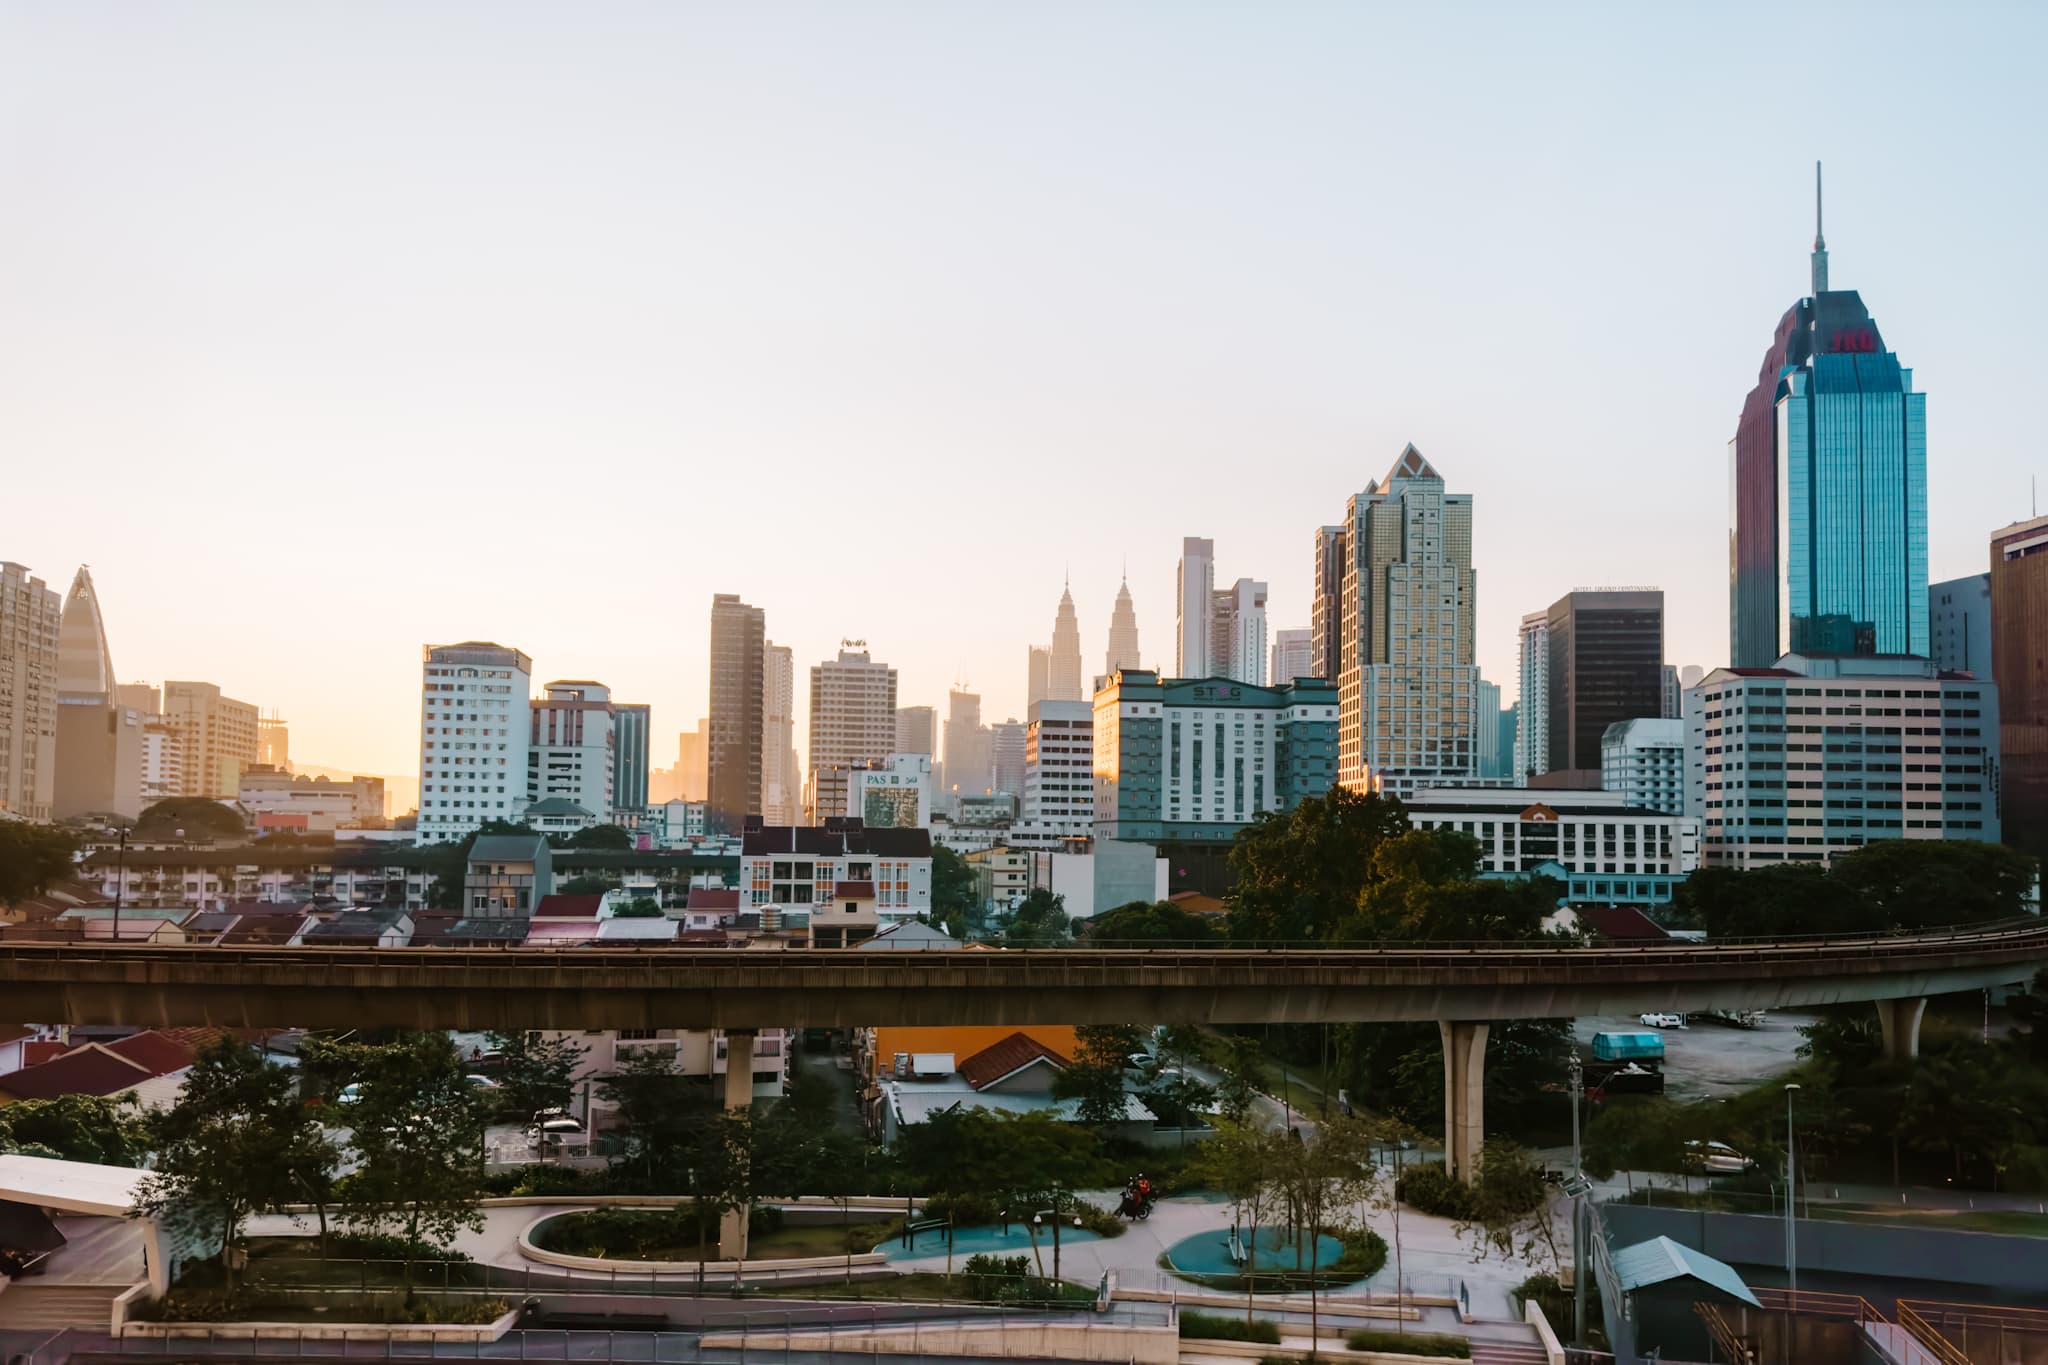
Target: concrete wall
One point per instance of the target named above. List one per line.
(1003, 1340)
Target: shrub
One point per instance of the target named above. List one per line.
(253, 1306)
(1410, 1343)
(1002, 1279)
(966, 1210)
(1365, 1253)
(1210, 1327)
(1101, 1222)
(1429, 1188)
(384, 1246)
(543, 1180)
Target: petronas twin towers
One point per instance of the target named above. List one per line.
(1056, 672)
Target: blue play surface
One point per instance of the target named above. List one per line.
(982, 1241)
(1274, 1249)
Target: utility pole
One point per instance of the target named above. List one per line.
(120, 882)
(1791, 1201)
(1578, 1086)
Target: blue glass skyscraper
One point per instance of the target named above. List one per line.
(1828, 481)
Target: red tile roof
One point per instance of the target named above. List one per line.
(10, 1032)
(1622, 922)
(860, 890)
(89, 1070)
(568, 907)
(713, 898)
(35, 1054)
(153, 1051)
(1006, 1058)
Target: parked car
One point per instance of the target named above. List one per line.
(1718, 1158)
(1654, 1020)
(350, 1093)
(483, 1082)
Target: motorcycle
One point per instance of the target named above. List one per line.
(1135, 1208)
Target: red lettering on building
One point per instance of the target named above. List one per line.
(1855, 339)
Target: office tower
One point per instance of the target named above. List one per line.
(1189, 759)
(1860, 714)
(31, 623)
(1007, 745)
(1037, 674)
(917, 730)
(1532, 733)
(1488, 706)
(1606, 665)
(2019, 664)
(632, 726)
(1059, 767)
(1667, 692)
(1293, 657)
(218, 734)
(1644, 760)
(1123, 633)
(99, 756)
(1405, 605)
(144, 697)
(782, 779)
(853, 719)
(1326, 607)
(1066, 650)
(571, 752)
(1237, 633)
(1510, 729)
(474, 729)
(693, 762)
(274, 742)
(1959, 624)
(1195, 600)
(1828, 551)
(969, 769)
(733, 749)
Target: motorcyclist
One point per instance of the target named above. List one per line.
(1143, 1188)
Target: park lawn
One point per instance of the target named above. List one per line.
(286, 1262)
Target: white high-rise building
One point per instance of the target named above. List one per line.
(1293, 657)
(1194, 605)
(853, 719)
(1123, 634)
(1532, 724)
(1059, 769)
(781, 777)
(1644, 760)
(474, 730)
(1237, 633)
(571, 746)
(31, 624)
(1063, 682)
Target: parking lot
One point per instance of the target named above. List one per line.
(1710, 1060)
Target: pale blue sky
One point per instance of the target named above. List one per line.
(328, 330)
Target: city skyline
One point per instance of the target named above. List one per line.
(323, 417)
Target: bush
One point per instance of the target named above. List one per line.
(1210, 1327)
(384, 1246)
(213, 1305)
(544, 1180)
(1410, 1343)
(1101, 1222)
(966, 1210)
(1429, 1188)
(1004, 1279)
(1365, 1253)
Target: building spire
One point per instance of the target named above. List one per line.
(1820, 242)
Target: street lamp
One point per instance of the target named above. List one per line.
(1791, 1200)
(1578, 1087)
(120, 881)
(1038, 1220)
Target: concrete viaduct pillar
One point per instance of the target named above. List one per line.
(1464, 1095)
(739, 1095)
(1900, 1020)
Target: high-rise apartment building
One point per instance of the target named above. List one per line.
(1037, 674)
(1293, 657)
(571, 751)
(163, 760)
(1959, 624)
(1007, 747)
(1820, 754)
(1326, 606)
(1532, 725)
(1059, 766)
(632, 731)
(1064, 679)
(1408, 685)
(1644, 760)
(2019, 663)
(1491, 762)
(474, 729)
(31, 622)
(1195, 600)
(1606, 666)
(1123, 633)
(693, 762)
(782, 780)
(1237, 633)
(99, 755)
(739, 638)
(917, 730)
(218, 734)
(1510, 728)
(853, 717)
(1200, 758)
(969, 758)
(1828, 548)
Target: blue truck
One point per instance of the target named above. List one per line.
(1630, 1063)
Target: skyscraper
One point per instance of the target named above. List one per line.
(1237, 633)
(1532, 706)
(1037, 674)
(917, 730)
(84, 665)
(853, 709)
(1293, 657)
(1828, 472)
(1606, 666)
(1959, 624)
(1065, 676)
(1408, 685)
(2019, 663)
(571, 746)
(1195, 601)
(99, 751)
(474, 731)
(1123, 633)
(969, 760)
(1326, 607)
(693, 762)
(1490, 764)
(733, 753)
(782, 780)
(219, 738)
(31, 621)
(1007, 754)
(632, 726)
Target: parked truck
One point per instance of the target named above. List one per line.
(1626, 1063)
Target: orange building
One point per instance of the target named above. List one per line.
(884, 1045)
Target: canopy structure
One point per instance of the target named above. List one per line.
(1661, 1260)
(69, 1186)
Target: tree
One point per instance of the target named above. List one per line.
(1321, 1173)
(614, 838)
(1246, 1163)
(670, 1119)
(1039, 921)
(31, 857)
(641, 907)
(418, 1137)
(1299, 872)
(1639, 1133)
(1240, 1084)
(217, 1148)
(103, 1130)
(955, 892)
(1096, 1078)
(1149, 922)
(535, 1071)
(1510, 1206)
(197, 816)
(1924, 883)
(1010, 1158)
(584, 885)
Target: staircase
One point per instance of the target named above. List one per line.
(1507, 1353)
(26, 1306)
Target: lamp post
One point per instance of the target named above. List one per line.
(1038, 1220)
(120, 881)
(1578, 1086)
(1791, 1200)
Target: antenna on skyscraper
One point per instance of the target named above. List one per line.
(1820, 242)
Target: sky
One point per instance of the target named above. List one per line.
(331, 330)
